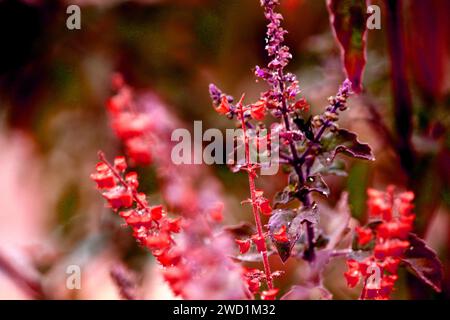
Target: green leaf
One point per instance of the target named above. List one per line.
(423, 262)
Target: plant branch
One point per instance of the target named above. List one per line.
(30, 286)
(251, 181)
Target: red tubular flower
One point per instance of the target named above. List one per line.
(132, 179)
(174, 225)
(258, 110)
(142, 125)
(167, 258)
(118, 197)
(253, 277)
(260, 242)
(138, 150)
(151, 227)
(254, 285)
(121, 165)
(131, 126)
(391, 242)
(301, 105)
(224, 106)
(104, 180)
(263, 203)
(128, 125)
(352, 277)
(391, 264)
(353, 274)
(244, 245)
(281, 235)
(158, 241)
(364, 235)
(156, 212)
(216, 212)
(175, 276)
(265, 207)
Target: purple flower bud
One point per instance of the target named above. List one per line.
(346, 88)
(215, 93)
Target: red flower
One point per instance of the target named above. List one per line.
(104, 180)
(394, 230)
(175, 276)
(129, 125)
(301, 105)
(244, 245)
(150, 226)
(167, 258)
(137, 219)
(254, 285)
(120, 101)
(391, 264)
(174, 225)
(156, 212)
(132, 179)
(159, 241)
(120, 164)
(253, 278)
(119, 197)
(258, 110)
(390, 241)
(265, 207)
(139, 151)
(281, 235)
(353, 274)
(364, 235)
(224, 106)
(263, 203)
(260, 242)
(352, 277)
(216, 212)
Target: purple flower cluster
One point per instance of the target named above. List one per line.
(281, 84)
(216, 94)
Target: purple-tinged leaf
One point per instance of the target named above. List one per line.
(335, 221)
(348, 19)
(308, 214)
(344, 141)
(323, 167)
(284, 197)
(278, 219)
(293, 221)
(317, 267)
(423, 262)
(317, 184)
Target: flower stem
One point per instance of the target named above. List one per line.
(30, 286)
(140, 203)
(309, 254)
(251, 182)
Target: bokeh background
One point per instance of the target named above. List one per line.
(54, 83)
